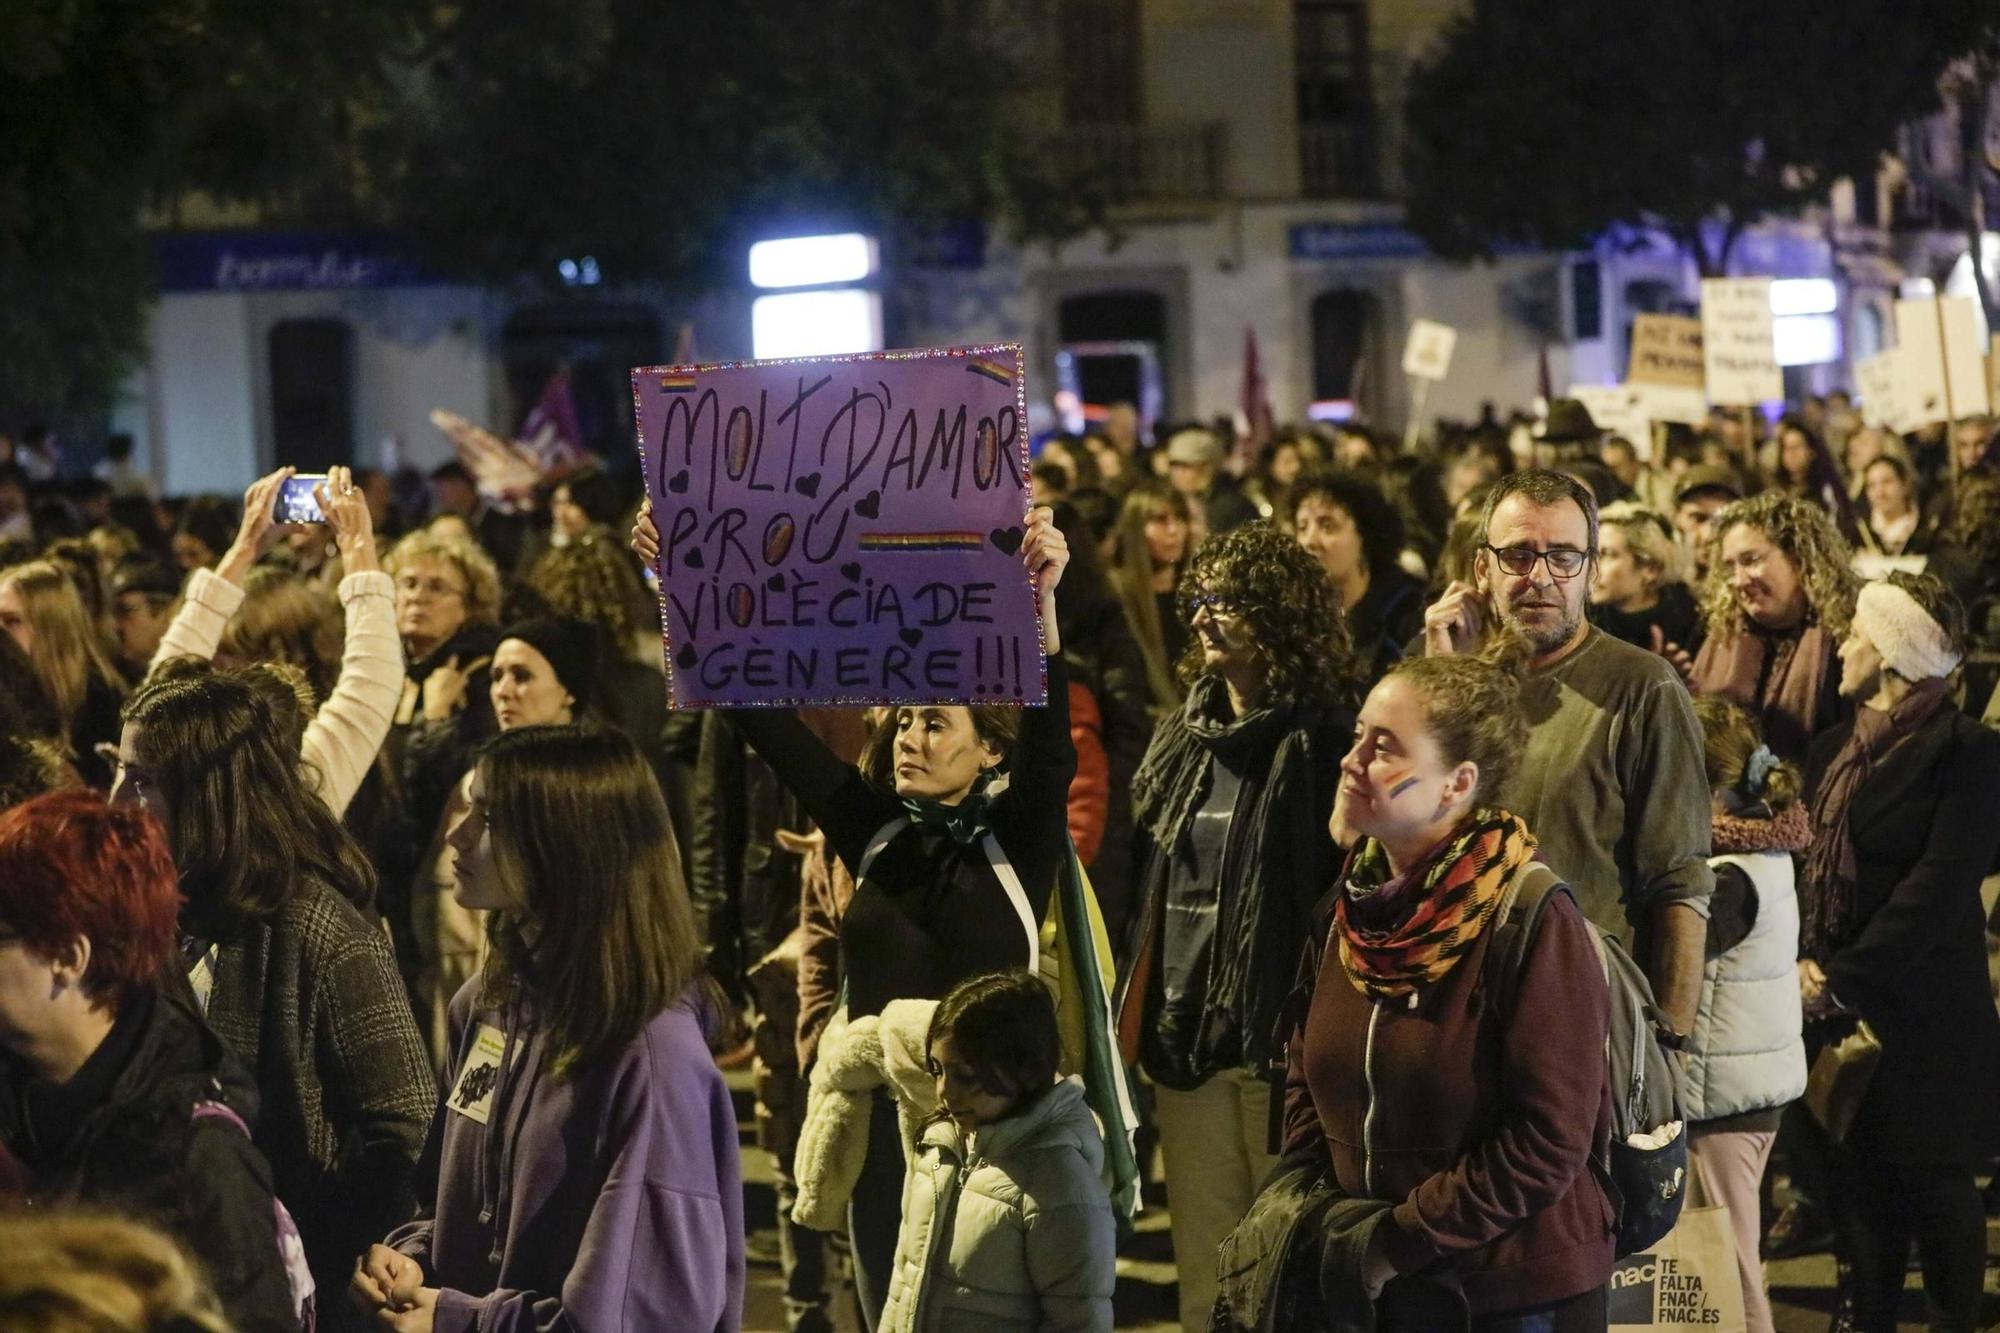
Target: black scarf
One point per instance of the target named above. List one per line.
(1172, 780)
(1271, 747)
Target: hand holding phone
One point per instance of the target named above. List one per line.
(296, 502)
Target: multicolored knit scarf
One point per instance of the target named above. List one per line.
(1430, 917)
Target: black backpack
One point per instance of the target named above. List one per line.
(1644, 1165)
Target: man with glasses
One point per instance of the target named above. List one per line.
(1612, 783)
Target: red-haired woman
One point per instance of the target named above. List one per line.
(112, 1091)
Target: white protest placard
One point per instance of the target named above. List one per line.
(1739, 355)
(1427, 355)
(1942, 359)
(1666, 350)
(1883, 400)
(1618, 410)
(1666, 402)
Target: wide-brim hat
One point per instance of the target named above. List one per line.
(1568, 422)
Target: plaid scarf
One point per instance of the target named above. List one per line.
(1397, 934)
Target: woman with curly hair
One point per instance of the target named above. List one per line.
(1232, 802)
(1345, 522)
(1776, 603)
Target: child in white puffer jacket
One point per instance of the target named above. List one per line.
(1006, 1219)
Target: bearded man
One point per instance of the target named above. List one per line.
(1612, 782)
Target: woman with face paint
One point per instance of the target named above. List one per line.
(1231, 801)
(952, 876)
(1469, 1123)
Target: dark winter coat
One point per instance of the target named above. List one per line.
(126, 1140)
(1913, 963)
(1278, 862)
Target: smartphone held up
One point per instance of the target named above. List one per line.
(296, 502)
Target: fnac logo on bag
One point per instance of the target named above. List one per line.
(1632, 1285)
(1651, 1291)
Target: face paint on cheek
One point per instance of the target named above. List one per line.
(1404, 785)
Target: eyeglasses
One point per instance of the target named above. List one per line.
(416, 587)
(1564, 562)
(1214, 603)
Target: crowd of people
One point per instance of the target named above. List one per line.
(374, 939)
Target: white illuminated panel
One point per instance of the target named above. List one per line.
(1803, 296)
(1806, 340)
(815, 324)
(812, 261)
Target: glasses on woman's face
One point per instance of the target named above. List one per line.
(1218, 606)
(1564, 562)
(435, 589)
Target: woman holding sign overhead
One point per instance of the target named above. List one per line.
(937, 899)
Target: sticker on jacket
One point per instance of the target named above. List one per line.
(472, 1095)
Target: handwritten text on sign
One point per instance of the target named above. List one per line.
(843, 530)
(1666, 349)
(1737, 343)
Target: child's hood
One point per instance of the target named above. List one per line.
(1057, 1118)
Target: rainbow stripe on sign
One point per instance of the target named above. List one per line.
(997, 371)
(921, 541)
(676, 384)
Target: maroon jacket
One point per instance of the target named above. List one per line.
(1477, 1125)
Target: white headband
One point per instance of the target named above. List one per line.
(1911, 643)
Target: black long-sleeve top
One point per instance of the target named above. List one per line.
(931, 911)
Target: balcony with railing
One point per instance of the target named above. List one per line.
(1147, 163)
(1358, 152)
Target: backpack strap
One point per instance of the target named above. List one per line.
(219, 1110)
(1515, 923)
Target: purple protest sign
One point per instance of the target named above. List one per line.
(843, 530)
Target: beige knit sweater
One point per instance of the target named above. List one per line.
(343, 737)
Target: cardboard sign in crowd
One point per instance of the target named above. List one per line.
(843, 530)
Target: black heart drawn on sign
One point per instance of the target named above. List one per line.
(869, 505)
(808, 485)
(678, 483)
(851, 571)
(693, 559)
(686, 657)
(910, 635)
(776, 583)
(1007, 539)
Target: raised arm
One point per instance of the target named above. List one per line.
(210, 599)
(345, 734)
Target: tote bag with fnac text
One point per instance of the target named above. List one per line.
(1687, 1279)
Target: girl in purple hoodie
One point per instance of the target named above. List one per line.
(582, 1171)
